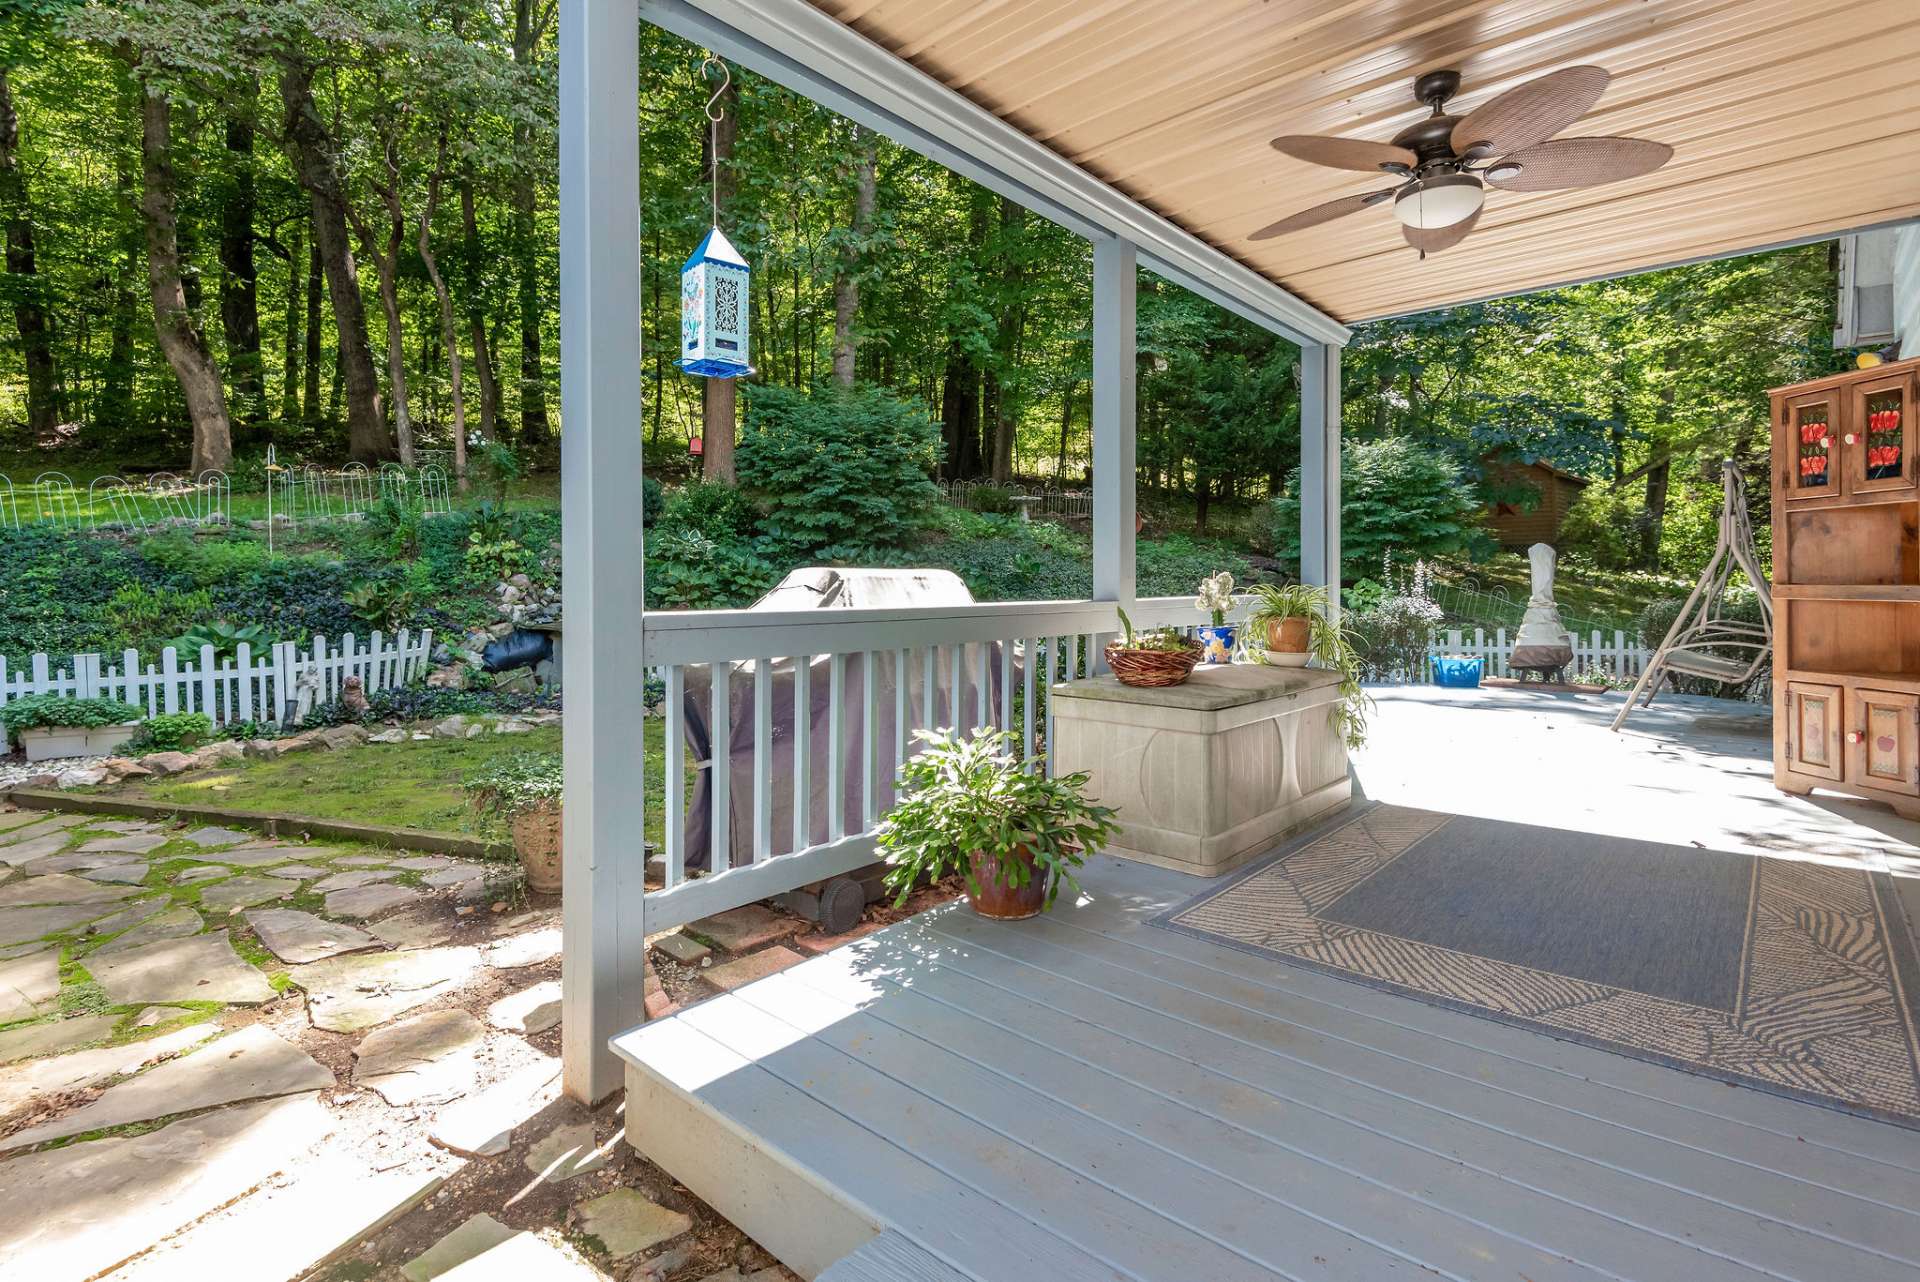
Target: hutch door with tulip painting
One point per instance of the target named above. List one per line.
(1846, 571)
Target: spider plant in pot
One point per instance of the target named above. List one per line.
(1293, 620)
(972, 805)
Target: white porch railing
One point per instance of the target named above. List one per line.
(242, 687)
(1624, 659)
(819, 781)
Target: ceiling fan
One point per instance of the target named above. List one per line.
(1448, 161)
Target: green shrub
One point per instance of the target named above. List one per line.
(839, 469)
(204, 563)
(499, 465)
(517, 782)
(1171, 566)
(39, 710)
(1604, 527)
(1396, 496)
(687, 570)
(170, 732)
(1392, 635)
(994, 500)
(225, 638)
(653, 498)
(711, 508)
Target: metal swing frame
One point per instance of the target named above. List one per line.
(1694, 644)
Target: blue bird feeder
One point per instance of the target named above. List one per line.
(713, 310)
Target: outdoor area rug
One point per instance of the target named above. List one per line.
(1793, 977)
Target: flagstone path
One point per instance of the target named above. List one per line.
(215, 1047)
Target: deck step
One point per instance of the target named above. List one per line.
(890, 1258)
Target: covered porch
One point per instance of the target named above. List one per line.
(1095, 1096)
(1091, 1095)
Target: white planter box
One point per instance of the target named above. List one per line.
(1210, 773)
(48, 742)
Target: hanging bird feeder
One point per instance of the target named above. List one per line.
(713, 284)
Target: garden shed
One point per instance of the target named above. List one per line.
(1511, 520)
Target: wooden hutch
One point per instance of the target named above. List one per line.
(1846, 586)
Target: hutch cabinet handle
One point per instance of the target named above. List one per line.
(1849, 438)
(1856, 736)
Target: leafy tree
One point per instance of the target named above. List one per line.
(1396, 496)
(839, 470)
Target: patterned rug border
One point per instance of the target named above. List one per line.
(1905, 961)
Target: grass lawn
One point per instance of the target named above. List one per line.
(416, 784)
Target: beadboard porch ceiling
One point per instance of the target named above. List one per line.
(1790, 120)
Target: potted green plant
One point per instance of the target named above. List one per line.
(1292, 618)
(1215, 599)
(50, 725)
(1157, 657)
(973, 806)
(524, 789)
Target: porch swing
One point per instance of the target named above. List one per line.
(1698, 643)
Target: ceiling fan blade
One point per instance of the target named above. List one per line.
(1531, 113)
(1438, 238)
(1323, 213)
(1578, 162)
(1345, 153)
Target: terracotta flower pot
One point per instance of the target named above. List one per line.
(536, 839)
(1287, 642)
(999, 900)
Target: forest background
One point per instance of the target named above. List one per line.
(330, 226)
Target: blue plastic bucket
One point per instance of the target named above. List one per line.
(1457, 671)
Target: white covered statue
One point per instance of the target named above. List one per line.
(1543, 643)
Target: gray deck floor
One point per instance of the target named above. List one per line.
(1085, 1097)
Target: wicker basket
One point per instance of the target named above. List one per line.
(1152, 667)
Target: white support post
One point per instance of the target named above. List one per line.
(1320, 469)
(603, 959)
(1115, 274)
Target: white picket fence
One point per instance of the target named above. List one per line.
(1622, 658)
(283, 680)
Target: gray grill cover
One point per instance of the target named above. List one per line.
(826, 589)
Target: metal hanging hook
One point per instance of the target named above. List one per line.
(726, 80)
(714, 116)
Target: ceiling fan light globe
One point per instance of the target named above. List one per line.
(1438, 202)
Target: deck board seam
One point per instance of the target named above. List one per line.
(1803, 1230)
(799, 974)
(1044, 1156)
(911, 1156)
(1550, 1069)
(957, 1178)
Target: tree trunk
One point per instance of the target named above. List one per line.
(239, 276)
(535, 430)
(960, 414)
(180, 340)
(115, 407)
(449, 331)
(290, 357)
(846, 281)
(310, 150)
(474, 254)
(718, 424)
(1066, 423)
(29, 313)
(313, 414)
(1656, 514)
(387, 273)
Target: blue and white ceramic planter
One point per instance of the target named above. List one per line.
(1216, 644)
